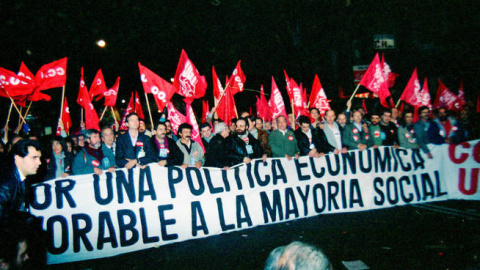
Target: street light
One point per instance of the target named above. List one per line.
(101, 43)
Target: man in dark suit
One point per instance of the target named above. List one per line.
(134, 148)
(166, 149)
(311, 141)
(24, 161)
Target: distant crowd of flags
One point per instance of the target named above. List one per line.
(23, 87)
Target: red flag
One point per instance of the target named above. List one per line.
(374, 80)
(130, 109)
(289, 87)
(364, 106)
(52, 75)
(205, 111)
(297, 98)
(423, 99)
(276, 102)
(83, 98)
(445, 98)
(318, 98)
(192, 120)
(478, 104)
(237, 80)
(217, 86)
(388, 74)
(226, 107)
(38, 96)
(187, 81)
(175, 117)
(26, 73)
(91, 117)
(153, 84)
(111, 94)
(66, 120)
(461, 95)
(263, 109)
(98, 86)
(138, 107)
(14, 85)
(412, 90)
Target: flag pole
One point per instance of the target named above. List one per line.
(114, 117)
(16, 108)
(20, 116)
(398, 103)
(26, 113)
(293, 112)
(220, 99)
(353, 95)
(104, 110)
(149, 111)
(9, 113)
(81, 115)
(63, 99)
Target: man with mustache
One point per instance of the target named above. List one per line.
(193, 155)
(444, 129)
(242, 146)
(23, 162)
(92, 158)
(166, 149)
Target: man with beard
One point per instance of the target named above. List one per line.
(421, 128)
(193, 155)
(311, 141)
(406, 133)
(166, 149)
(242, 146)
(333, 132)
(91, 158)
(444, 129)
(388, 129)
(355, 135)
(374, 129)
(216, 152)
(134, 148)
(169, 131)
(342, 121)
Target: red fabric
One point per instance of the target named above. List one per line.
(14, 85)
(297, 101)
(25, 72)
(364, 106)
(478, 104)
(175, 117)
(83, 98)
(388, 74)
(217, 86)
(412, 90)
(138, 107)
(461, 95)
(237, 80)
(226, 107)
(276, 102)
(91, 117)
(192, 120)
(444, 98)
(318, 98)
(66, 119)
(374, 80)
(289, 87)
(98, 86)
(52, 75)
(153, 84)
(205, 110)
(263, 109)
(187, 81)
(341, 92)
(423, 99)
(130, 109)
(112, 94)
(36, 94)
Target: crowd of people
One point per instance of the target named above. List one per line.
(29, 159)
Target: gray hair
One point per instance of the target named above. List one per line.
(297, 256)
(219, 127)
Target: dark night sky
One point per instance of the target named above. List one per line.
(305, 37)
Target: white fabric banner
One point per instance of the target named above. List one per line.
(90, 216)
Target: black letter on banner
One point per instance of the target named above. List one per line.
(314, 170)
(355, 193)
(47, 195)
(417, 159)
(391, 200)
(304, 198)
(225, 180)
(124, 227)
(249, 175)
(172, 181)
(105, 220)
(81, 233)
(128, 185)
(369, 160)
(59, 190)
(237, 178)
(51, 235)
(427, 186)
(395, 159)
(146, 173)
(242, 204)
(290, 198)
(402, 190)
(415, 185)
(378, 181)
(201, 186)
(299, 167)
(315, 198)
(343, 194)
(143, 220)
(268, 210)
(383, 163)
(261, 182)
(197, 209)
(400, 159)
(96, 189)
(329, 165)
(349, 158)
(224, 226)
(164, 222)
(332, 194)
(280, 174)
(211, 188)
(439, 187)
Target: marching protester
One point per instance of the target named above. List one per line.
(13, 250)
(206, 131)
(388, 132)
(421, 128)
(166, 149)
(406, 132)
(356, 134)
(242, 146)
(341, 121)
(60, 161)
(170, 133)
(297, 256)
(216, 155)
(92, 158)
(374, 129)
(444, 129)
(133, 148)
(259, 134)
(311, 142)
(315, 115)
(333, 132)
(193, 155)
(282, 140)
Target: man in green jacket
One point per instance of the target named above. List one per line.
(283, 141)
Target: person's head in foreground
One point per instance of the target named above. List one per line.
(297, 256)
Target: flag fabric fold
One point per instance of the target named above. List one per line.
(374, 80)
(412, 90)
(175, 117)
(52, 75)
(445, 98)
(153, 84)
(192, 120)
(98, 87)
(237, 80)
(187, 81)
(111, 94)
(276, 102)
(318, 98)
